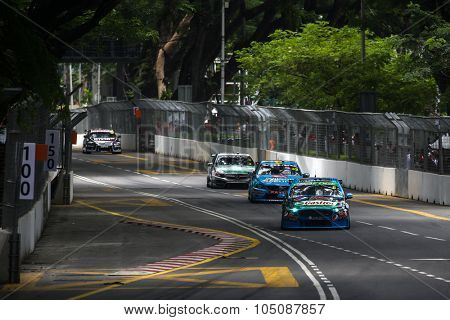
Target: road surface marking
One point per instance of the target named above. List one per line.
(431, 259)
(402, 231)
(251, 243)
(367, 223)
(410, 233)
(416, 212)
(433, 238)
(400, 266)
(388, 228)
(280, 244)
(274, 277)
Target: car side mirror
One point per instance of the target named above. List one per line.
(210, 164)
(85, 136)
(118, 137)
(348, 196)
(306, 175)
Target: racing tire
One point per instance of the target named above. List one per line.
(208, 182)
(250, 198)
(348, 227)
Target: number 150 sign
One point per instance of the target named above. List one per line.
(52, 140)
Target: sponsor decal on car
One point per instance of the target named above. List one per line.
(319, 203)
(275, 180)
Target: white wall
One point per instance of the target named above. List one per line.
(416, 185)
(429, 187)
(353, 175)
(31, 224)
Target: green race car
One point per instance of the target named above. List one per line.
(316, 203)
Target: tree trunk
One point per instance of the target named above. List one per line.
(167, 51)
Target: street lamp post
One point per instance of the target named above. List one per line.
(225, 4)
(363, 32)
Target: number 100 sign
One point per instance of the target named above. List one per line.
(27, 171)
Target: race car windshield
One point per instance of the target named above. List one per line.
(277, 169)
(103, 135)
(316, 190)
(235, 161)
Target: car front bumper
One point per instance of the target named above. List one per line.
(103, 147)
(314, 222)
(224, 180)
(263, 195)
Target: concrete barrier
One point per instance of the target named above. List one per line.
(429, 187)
(31, 225)
(411, 184)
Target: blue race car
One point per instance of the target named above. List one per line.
(271, 180)
(316, 203)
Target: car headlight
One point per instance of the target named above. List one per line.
(259, 186)
(219, 174)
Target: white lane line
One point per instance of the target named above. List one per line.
(280, 244)
(431, 259)
(410, 233)
(367, 223)
(398, 265)
(433, 238)
(388, 228)
(402, 231)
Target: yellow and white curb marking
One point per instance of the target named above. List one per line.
(229, 244)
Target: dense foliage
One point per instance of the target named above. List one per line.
(305, 62)
(320, 67)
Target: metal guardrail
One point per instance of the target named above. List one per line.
(388, 140)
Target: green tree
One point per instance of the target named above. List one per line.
(33, 35)
(320, 68)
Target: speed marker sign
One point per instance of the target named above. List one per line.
(27, 171)
(52, 139)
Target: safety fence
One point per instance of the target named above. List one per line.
(387, 140)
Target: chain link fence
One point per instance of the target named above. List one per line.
(388, 140)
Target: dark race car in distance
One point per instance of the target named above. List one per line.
(101, 140)
(316, 203)
(271, 180)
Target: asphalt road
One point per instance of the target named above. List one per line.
(146, 227)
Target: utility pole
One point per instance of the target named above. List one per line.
(99, 74)
(70, 83)
(80, 80)
(363, 32)
(222, 55)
